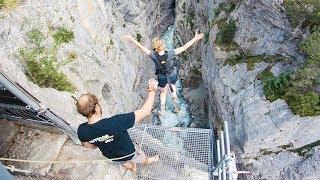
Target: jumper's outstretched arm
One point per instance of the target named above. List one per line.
(139, 45)
(197, 37)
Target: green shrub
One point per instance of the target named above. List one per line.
(296, 91)
(305, 11)
(311, 46)
(63, 36)
(72, 56)
(226, 34)
(274, 87)
(206, 37)
(111, 41)
(9, 4)
(139, 37)
(35, 36)
(304, 149)
(42, 66)
(252, 60)
(307, 104)
(226, 7)
(43, 71)
(190, 19)
(1, 4)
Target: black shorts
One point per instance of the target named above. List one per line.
(162, 79)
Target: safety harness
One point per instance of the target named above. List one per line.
(164, 65)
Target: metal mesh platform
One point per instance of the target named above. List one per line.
(184, 153)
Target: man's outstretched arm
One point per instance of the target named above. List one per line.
(145, 110)
(139, 45)
(197, 37)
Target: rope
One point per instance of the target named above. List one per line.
(65, 162)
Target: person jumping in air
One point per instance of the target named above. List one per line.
(110, 134)
(166, 73)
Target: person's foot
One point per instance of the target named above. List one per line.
(162, 111)
(176, 100)
(131, 166)
(152, 160)
(176, 109)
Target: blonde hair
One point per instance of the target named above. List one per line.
(158, 44)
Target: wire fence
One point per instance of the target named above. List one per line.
(184, 153)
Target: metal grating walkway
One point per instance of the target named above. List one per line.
(184, 153)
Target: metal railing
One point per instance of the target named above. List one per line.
(33, 110)
(226, 167)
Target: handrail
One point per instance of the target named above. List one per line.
(36, 105)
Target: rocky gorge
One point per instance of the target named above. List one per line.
(243, 40)
(223, 76)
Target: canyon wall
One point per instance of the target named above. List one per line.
(266, 136)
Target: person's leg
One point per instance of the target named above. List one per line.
(173, 80)
(128, 165)
(163, 97)
(141, 158)
(174, 93)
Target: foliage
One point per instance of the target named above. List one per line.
(111, 41)
(307, 104)
(139, 37)
(305, 11)
(190, 19)
(303, 150)
(9, 4)
(301, 88)
(274, 87)
(226, 34)
(35, 36)
(42, 70)
(284, 87)
(1, 4)
(72, 56)
(312, 48)
(252, 60)
(206, 37)
(226, 7)
(63, 36)
(42, 65)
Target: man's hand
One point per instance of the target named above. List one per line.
(153, 84)
(198, 35)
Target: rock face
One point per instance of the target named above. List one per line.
(8, 133)
(34, 144)
(264, 135)
(97, 170)
(262, 27)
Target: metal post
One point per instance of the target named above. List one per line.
(224, 176)
(34, 104)
(226, 132)
(218, 157)
(211, 152)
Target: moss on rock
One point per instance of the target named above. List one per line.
(42, 66)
